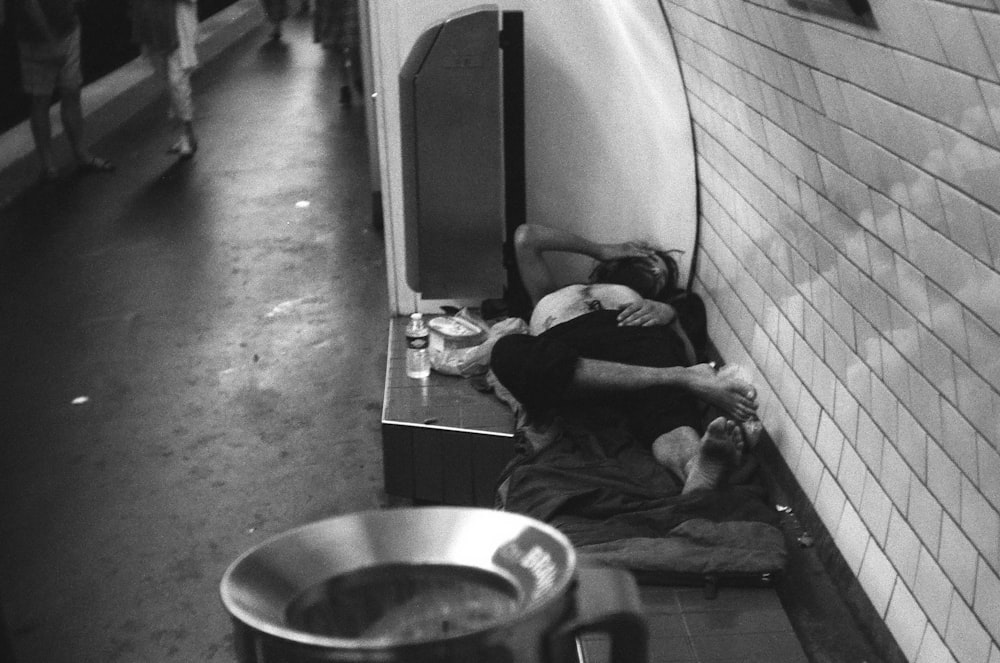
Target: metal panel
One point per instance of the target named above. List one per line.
(453, 177)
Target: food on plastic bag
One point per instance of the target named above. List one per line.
(461, 344)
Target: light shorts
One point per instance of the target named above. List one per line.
(45, 67)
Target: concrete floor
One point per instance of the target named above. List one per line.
(229, 339)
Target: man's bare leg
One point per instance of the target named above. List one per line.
(733, 396)
(717, 456)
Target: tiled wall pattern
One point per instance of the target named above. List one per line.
(850, 183)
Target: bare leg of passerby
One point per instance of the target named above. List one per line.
(41, 130)
(71, 112)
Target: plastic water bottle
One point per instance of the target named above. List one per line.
(418, 359)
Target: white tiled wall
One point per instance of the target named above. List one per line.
(850, 181)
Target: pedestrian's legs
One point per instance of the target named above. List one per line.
(181, 105)
(41, 130)
(71, 112)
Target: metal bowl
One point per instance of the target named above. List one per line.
(399, 579)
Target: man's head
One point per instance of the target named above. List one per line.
(651, 276)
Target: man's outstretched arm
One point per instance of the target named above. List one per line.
(532, 241)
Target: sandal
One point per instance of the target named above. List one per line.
(95, 165)
(48, 176)
(184, 148)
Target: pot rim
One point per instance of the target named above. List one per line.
(534, 607)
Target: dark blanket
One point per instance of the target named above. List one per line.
(593, 482)
(591, 473)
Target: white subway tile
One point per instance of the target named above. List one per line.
(924, 514)
(940, 259)
(906, 621)
(904, 331)
(980, 294)
(813, 328)
(807, 415)
(991, 225)
(958, 558)
(912, 443)
(878, 577)
(965, 223)
(958, 435)
(851, 537)
(895, 370)
(851, 474)
(948, 96)
(869, 345)
(989, 27)
(875, 510)
(981, 522)
(809, 472)
(966, 636)
(846, 412)
(884, 409)
(888, 224)
(935, 359)
(991, 97)
(977, 403)
(895, 476)
(912, 288)
(987, 600)
(883, 264)
(848, 274)
(830, 500)
(826, 48)
(946, 321)
(903, 547)
(933, 649)
(842, 318)
(971, 166)
(989, 471)
(858, 381)
(944, 479)
(925, 403)
(931, 586)
(923, 192)
(829, 442)
(909, 28)
(960, 38)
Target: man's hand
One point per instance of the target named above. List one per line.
(646, 313)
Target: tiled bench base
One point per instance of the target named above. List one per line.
(442, 441)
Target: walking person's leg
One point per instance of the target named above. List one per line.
(71, 109)
(181, 106)
(41, 131)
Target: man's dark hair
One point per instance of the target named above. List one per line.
(638, 274)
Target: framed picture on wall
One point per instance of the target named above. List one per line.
(855, 11)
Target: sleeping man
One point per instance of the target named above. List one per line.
(618, 344)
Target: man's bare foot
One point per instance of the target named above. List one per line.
(732, 395)
(676, 449)
(718, 455)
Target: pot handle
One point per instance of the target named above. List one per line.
(607, 601)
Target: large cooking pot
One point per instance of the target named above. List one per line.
(426, 584)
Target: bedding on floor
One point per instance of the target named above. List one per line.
(586, 475)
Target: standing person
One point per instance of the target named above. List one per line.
(167, 30)
(336, 27)
(277, 12)
(48, 37)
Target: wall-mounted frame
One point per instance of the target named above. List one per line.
(854, 11)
